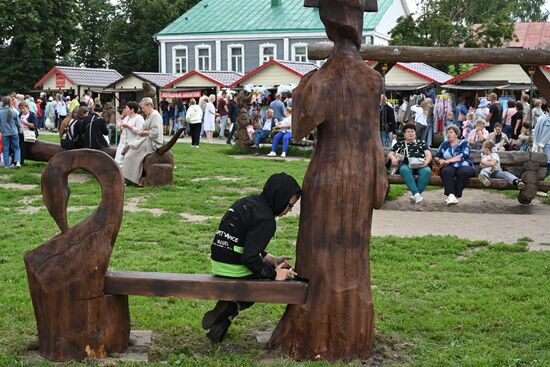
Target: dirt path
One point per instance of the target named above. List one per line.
(481, 215)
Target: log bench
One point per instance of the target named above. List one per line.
(203, 286)
(530, 167)
(81, 307)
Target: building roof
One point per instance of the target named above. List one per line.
(295, 67)
(466, 74)
(84, 76)
(425, 71)
(244, 17)
(221, 78)
(156, 79)
(531, 35)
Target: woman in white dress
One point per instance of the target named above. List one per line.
(130, 126)
(210, 118)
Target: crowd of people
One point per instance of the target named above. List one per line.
(210, 115)
(486, 128)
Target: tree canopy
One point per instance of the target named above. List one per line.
(472, 23)
(468, 23)
(37, 35)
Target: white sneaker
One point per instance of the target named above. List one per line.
(411, 199)
(283, 155)
(484, 180)
(17, 164)
(417, 198)
(451, 200)
(272, 154)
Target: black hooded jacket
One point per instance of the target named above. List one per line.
(247, 227)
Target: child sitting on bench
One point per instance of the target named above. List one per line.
(238, 249)
(490, 167)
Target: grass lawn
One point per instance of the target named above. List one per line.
(439, 301)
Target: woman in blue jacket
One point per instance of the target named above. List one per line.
(9, 126)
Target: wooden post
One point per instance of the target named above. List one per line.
(440, 55)
(345, 180)
(75, 319)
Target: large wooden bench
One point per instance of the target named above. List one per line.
(81, 307)
(530, 167)
(204, 286)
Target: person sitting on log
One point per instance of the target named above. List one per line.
(285, 134)
(238, 248)
(502, 143)
(411, 147)
(95, 130)
(266, 125)
(148, 140)
(457, 167)
(478, 135)
(490, 167)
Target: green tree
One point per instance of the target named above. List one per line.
(38, 34)
(95, 22)
(473, 23)
(130, 41)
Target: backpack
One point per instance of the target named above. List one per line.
(68, 138)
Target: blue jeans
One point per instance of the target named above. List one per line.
(277, 139)
(223, 123)
(260, 135)
(10, 141)
(423, 173)
(386, 139)
(510, 178)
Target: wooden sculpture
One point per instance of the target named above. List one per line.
(345, 180)
(242, 139)
(75, 319)
(158, 167)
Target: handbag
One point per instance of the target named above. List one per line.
(28, 136)
(414, 162)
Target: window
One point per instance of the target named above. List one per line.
(179, 57)
(236, 58)
(369, 40)
(268, 51)
(202, 57)
(299, 52)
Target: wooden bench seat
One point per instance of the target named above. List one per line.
(204, 286)
(473, 183)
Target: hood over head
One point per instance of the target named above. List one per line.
(278, 190)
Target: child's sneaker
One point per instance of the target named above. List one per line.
(272, 154)
(283, 155)
(519, 184)
(418, 198)
(484, 180)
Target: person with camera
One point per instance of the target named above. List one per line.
(415, 158)
(453, 156)
(239, 246)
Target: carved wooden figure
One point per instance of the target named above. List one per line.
(242, 139)
(345, 180)
(75, 319)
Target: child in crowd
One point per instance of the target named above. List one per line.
(490, 167)
(478, 135)
(468, 125)
(523, 139)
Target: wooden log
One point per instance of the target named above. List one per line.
(204, 286)
(440, 55)
(43, 151)
(75, 319)
(474, 183)
(527, 195)
(345, 180)
(541, 81)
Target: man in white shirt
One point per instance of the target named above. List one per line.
(260, 134)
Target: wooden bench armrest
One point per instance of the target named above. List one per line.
(204, 286)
